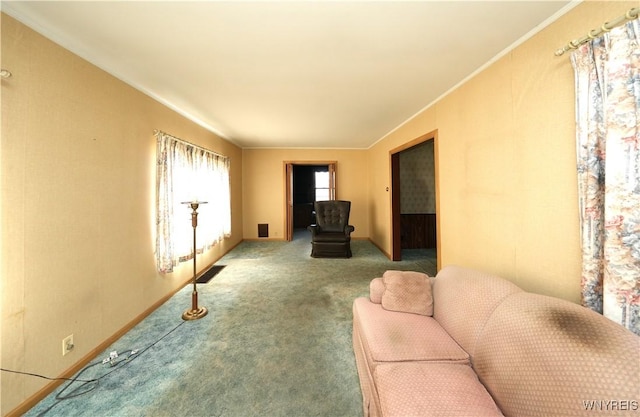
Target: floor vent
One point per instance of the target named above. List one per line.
(210, 273)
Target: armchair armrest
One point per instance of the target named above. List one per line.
(314, 229)
(348, 229)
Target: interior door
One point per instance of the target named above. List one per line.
(289, 201)
(396, 237)
(288, 184)
(396, 246)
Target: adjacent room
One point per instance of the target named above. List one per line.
(144, 144)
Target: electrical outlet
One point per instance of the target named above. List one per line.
(67, 344)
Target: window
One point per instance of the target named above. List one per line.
(188, 173)
(322, 185)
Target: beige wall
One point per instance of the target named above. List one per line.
(506, 155)
(77, 165)
(78, 190)
(264, 186)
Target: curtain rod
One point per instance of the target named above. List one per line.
(156, 132)
(606, 27)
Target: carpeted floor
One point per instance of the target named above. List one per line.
(276, 341)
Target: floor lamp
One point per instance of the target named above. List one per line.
(194, 312)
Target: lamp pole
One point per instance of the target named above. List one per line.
(194, 312)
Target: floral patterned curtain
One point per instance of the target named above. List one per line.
(607, 79)
(187, 173)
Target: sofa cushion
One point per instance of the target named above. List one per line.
(464, 299)
(407, 292)
(542, 356)
(432, 389)
(393, 336)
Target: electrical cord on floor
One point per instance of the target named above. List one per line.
(90, 384)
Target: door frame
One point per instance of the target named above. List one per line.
(394, 161)
(288, 194)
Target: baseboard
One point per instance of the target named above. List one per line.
(38, 396)
(388, 255)
(86, 359)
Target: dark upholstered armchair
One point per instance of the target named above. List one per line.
(331, 235)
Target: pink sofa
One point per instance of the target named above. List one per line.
(467, 343)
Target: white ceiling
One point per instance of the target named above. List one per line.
(294, 74)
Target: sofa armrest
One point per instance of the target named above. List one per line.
(376, 289)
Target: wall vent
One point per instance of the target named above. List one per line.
(263, 230)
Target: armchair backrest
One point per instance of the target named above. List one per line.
(332, 215)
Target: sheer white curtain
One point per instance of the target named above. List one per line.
(189, 173)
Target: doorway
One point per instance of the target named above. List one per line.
(414, 198)
(306, 182)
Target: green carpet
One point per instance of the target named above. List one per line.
(276, 341)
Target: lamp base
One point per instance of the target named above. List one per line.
(196, 314)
